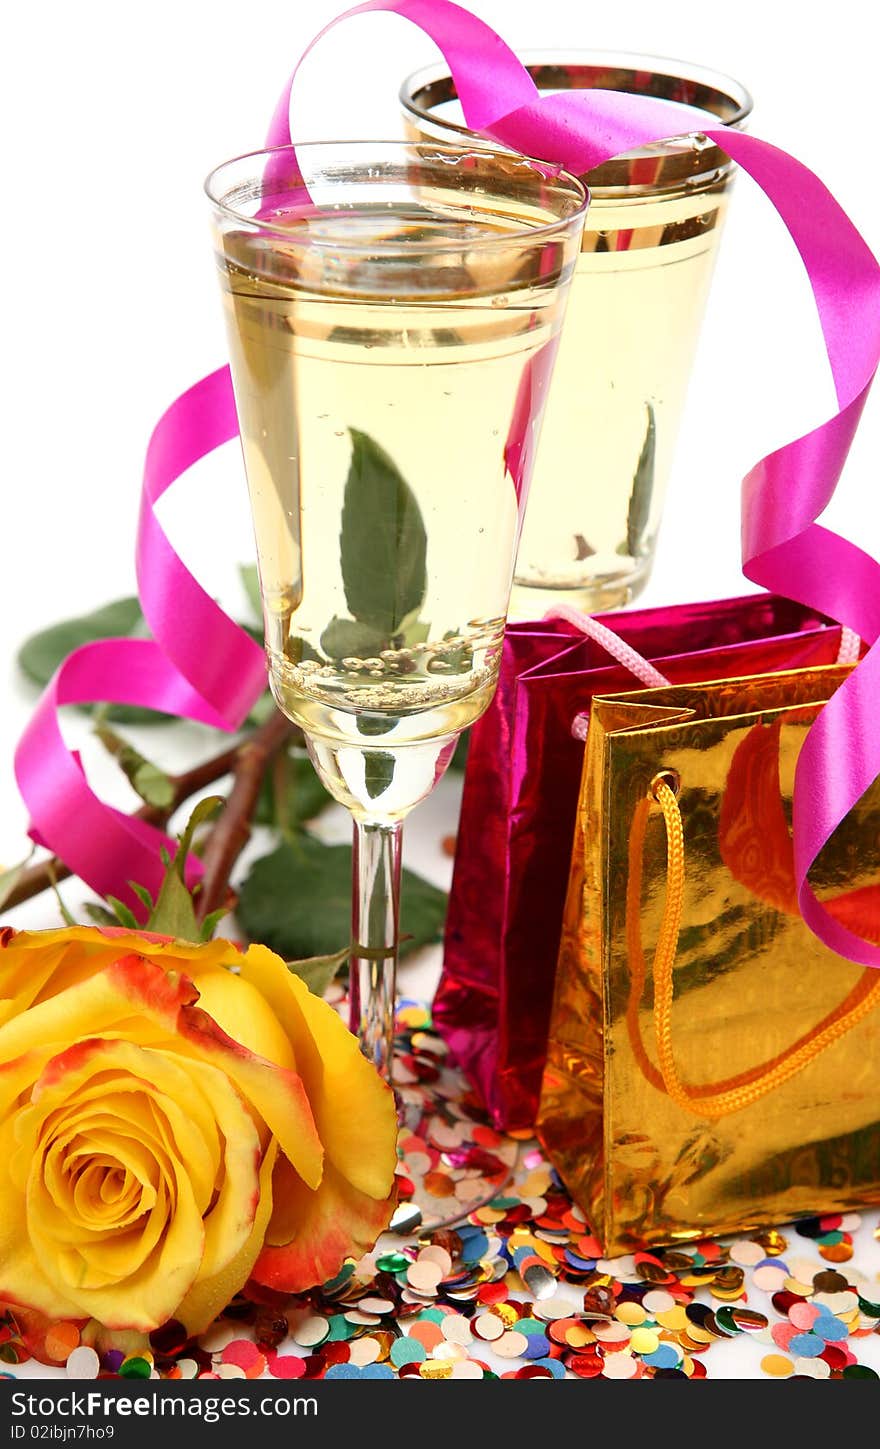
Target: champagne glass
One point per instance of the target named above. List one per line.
(637, 303)
(392, 310)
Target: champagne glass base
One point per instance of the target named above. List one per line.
(452, 1162)
(596, 594)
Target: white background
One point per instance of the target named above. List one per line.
(111, 116)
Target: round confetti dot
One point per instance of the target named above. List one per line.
(552, 1308)
(286, 1366)
(435, 1254)
(803, 1315)
(466, 1369)
(511, 1344)
(456, 1329)
(837, 1302)
(428, 1333)
(578, 1335)
(339, 1329)
(797, 1287)
(60, 1341)
(83, 1363)
(135, 1368)
(488, 1326)
(611, 1332)
(806, 1345)
(556, 1369)
(665, 1356)
(812, 1368)
(311, 1331)
(364, 1351)
(783, 1333)
(246, 1355)
(451, 1351)
(424, 1277)
(343, 1371)
(772, 1242)
(644, 1340)
(586, 1366)
(859, 1371)
(620, 1366)
(658, 1301)
(769, 1279)
(631, 1313)
(407, 1350)
(829, 1328)
(435, 1369)
(380, 1306)
(392, 1263)
(836, 1252)
(777, 1366)
(230, 1371)
(746, 1253)
(538, 1345)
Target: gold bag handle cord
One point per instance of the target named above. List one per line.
(717, 1099)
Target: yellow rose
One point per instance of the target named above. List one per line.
(174, 1121)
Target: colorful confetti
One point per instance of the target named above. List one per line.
(517, 1288)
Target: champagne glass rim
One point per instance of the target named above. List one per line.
(577, 194)
(671, 67)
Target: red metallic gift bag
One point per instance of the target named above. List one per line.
(495, 993)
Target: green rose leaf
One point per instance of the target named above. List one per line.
(9, 879)
(639, 511)
(347, 639)
(378, 772)
(250, 578)
(151, 783)
(41, 654)
(382, 540)
(318, 971)
(174, 912)
(291, 793)
(297, 900)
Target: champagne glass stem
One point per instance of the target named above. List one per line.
(374, 933)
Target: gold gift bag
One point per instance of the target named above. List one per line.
(712, 1066)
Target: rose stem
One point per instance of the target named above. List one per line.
(232, 831)
(264, 743)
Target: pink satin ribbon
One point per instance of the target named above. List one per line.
(784, 548)
(199, 664)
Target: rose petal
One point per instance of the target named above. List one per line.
(318, 1230)
(36, 964)
(138, 1277)
(155, 1006)
(352, 1106)
(277, 1094)
(210, 1294)
(245, 1015)
(129, 990)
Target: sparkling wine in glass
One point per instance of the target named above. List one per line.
(633, 321)
(393, 311)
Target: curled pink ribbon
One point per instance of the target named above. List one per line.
(784, 548)
(199, 664)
